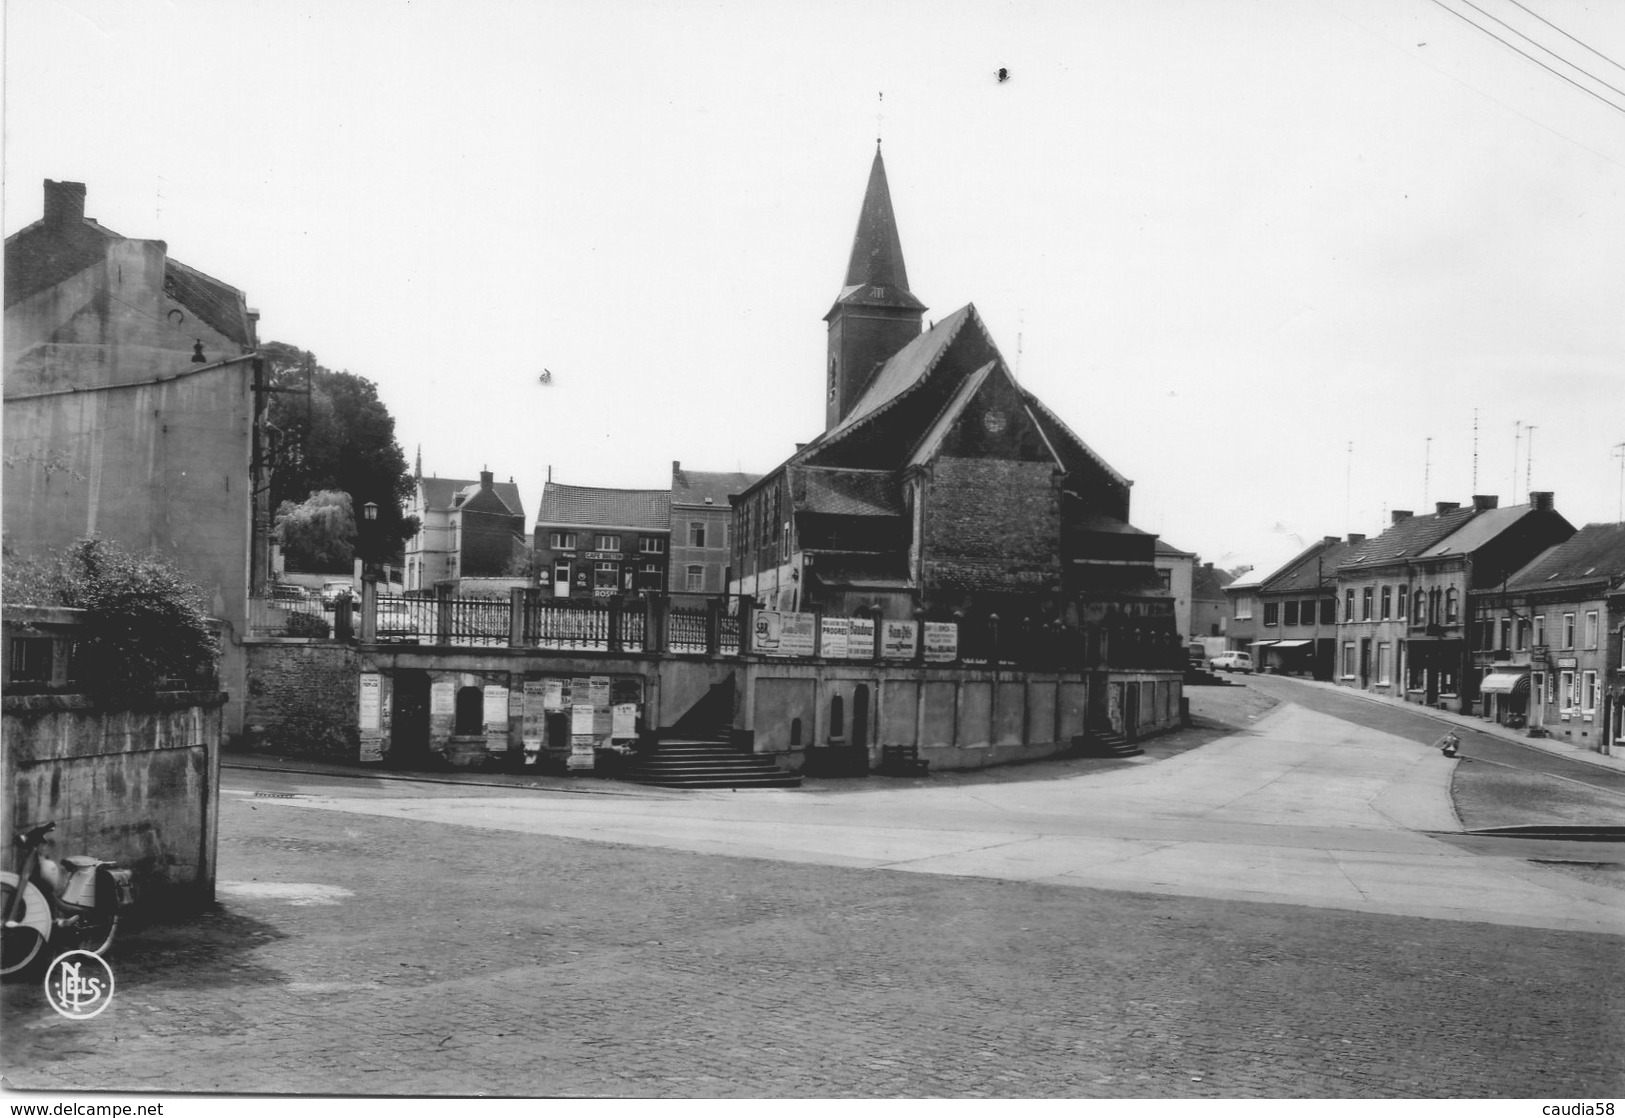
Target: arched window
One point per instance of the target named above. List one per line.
(795, 731)
(470, 717)
(837, 718)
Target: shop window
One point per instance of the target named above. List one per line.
(606, 575)
(1565, 693)
(470, 711)
(1588, 693)
(649, 576)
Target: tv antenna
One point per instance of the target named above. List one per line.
(1619, 452)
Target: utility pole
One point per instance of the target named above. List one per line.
(1619, 452)
(1529, 462)
(1475, 450)
(1517, 437)
(1427, 464)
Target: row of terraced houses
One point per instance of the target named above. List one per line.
(1510, 613)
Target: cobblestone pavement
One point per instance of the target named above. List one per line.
(384, 956)
(366, 954)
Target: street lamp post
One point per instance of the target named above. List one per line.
(368, 541)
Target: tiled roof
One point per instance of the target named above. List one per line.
(694, 487)
(219, 304)
(1315, 567)
(644, 509)
(860, 572)
(1594, 553)
(843, 492)
(1166, 548)
(1109, 524)
(1478, 531)
(439, 492)
(1409, 538)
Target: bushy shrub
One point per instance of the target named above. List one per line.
(308, 625)
(145, 627)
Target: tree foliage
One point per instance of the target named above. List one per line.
(318, 533)
(338, 437)
(146, 627)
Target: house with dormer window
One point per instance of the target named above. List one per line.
(466, 529)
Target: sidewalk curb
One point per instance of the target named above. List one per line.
(260, 763)
(1473, 722)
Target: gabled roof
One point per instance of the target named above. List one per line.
(1478, 531)
(842, 492)
(471, 498)
(928, 446)
(1061, 433)
(695, 487)
(1166, 548)
(1409, 538)
(1313, 568)
(215, 302)
(907, 368)
(440, 493)
(590, 507)
(1596, 553)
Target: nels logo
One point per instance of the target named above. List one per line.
(79, 985)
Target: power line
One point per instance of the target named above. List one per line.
(1530, 57)
(1566, 35)
(1545, 48)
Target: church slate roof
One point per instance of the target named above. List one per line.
(840, 492)
(876, 275)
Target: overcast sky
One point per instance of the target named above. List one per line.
(1225, 241)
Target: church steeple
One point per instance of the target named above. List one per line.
(875, 315)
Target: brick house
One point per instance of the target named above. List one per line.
(1210, 608)
(1551, 641)
(134, 411)
(940, 487)
(600, 543)
(701, 523)
(466, 529)
(1404, 628)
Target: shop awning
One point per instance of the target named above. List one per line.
(1290, 644)
(1264, 644)
(1505, 683)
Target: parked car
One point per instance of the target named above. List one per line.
(1232, 662)
(395, 623)
(335, 589)
(288, 592)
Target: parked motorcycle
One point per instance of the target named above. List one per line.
(71, 905)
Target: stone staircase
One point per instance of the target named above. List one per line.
(1107, 743)
(705, 761)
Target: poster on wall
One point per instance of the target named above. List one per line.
(533, 722)
(625, 721)
(768, 627)
(553, 695)
(581, 753)
(899, 640)
(443, 697)
(832, 640)
(860, 641)
(941, 642)
(372, 749)
(372, 695)
(581, 721)
(598, 691)
(496, 705)
(798, 634)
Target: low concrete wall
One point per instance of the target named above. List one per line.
(137, 784)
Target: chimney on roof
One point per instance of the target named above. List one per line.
(1356, 537)
(1207, 566)
(64, 203)
(1401, 514)
(1542, 499)
(485, 479)
(1331, 539)
(1442, 507)
(1484, 502)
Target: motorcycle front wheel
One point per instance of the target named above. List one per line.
(20, 944)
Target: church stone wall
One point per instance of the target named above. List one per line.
(992, 524)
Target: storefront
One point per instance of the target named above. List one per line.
(1505, 696)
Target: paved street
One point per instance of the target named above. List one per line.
(1288, 910)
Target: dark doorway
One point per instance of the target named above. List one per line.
(1365, 662)
(1131, 712)
(470, 717)
(860, 716)
(409, 724)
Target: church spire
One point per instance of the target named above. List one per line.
(876, 274)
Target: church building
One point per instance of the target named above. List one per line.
(941, 489)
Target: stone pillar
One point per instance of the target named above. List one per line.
(516, 617)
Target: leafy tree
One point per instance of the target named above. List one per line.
(338, 437)
(318, 533)
(145, 623)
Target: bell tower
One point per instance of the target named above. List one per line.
(875, 314)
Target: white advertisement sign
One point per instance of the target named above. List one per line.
(496, 705)
(624, 722)
(860, 642)
(372, 695)
(941, 642)
(899, 640)
(766, 638)
(833, 638)
(798, 634)
(443, 697)
(581, 720)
